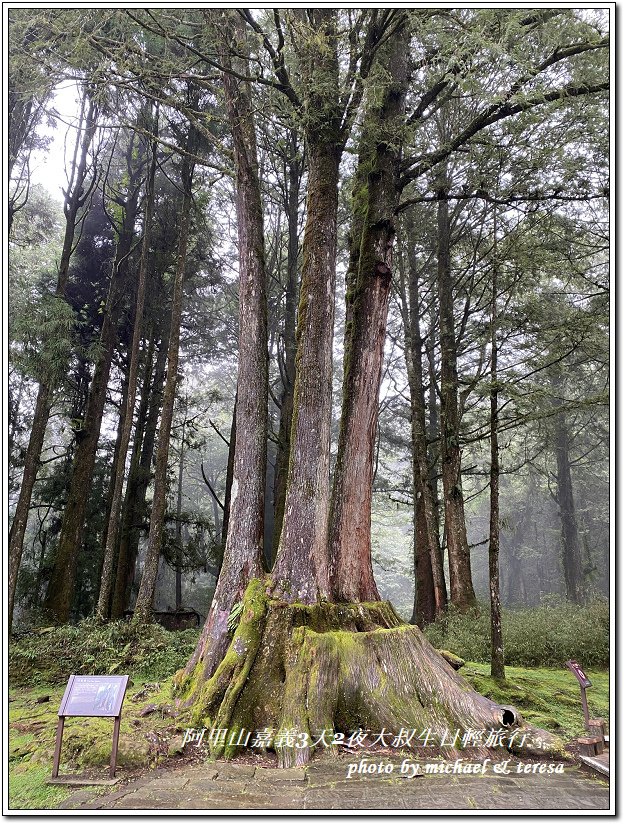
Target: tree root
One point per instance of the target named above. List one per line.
(300, 670)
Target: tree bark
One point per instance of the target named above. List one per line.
(462, 591)
(60, 591)
(229, 477)
(301, 570)
(145, 598)
(74, 201)
(112, 532)
(290, 344)
(497, 655)
(377, 194)
(242, 557)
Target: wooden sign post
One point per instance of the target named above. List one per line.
(584, 682)
(92, 696)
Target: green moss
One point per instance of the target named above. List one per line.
(547, 698)
(50, 655)
(28, 789)
(230, 675)
(86, 741)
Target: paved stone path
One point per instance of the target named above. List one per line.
(324, 785)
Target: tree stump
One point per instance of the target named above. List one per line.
(335, 668)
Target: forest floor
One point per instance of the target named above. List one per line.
(155, 768)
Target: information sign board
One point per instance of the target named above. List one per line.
(98, 696)
(94, 695)
(575, 667)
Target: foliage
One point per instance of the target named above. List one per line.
(547, 635)
(51, 655)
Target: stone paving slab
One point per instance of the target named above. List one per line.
(323, 785)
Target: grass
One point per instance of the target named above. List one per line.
(547, 698)
(28, 790)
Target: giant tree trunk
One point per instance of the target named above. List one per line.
(60, 591)
(229, 476)
(462, 592)
(242, 557)
(375, 201)
(301, 570)
(76, 196)
(301, 566)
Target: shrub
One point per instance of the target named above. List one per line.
(52, 654)
(547, 635)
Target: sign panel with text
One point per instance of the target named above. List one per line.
(94, 695)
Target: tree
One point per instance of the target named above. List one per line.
(497, 669)
(77, 195)
(103, 607)
(242, 557)
(58, 600)
(430, 594)
(306, 646)
(145, 597)
(311, 646)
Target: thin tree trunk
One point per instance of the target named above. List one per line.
(145, 598)
(290, 345)
(424, 609)
(497, 659)
(178, 528)
(77, 194)
(430, 596)
(462, 591)
(376, 195)
(121, 422)
(106, 583)
(139, 475)
(572, 564)
(60, 591)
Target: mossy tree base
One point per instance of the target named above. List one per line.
(333, 667)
